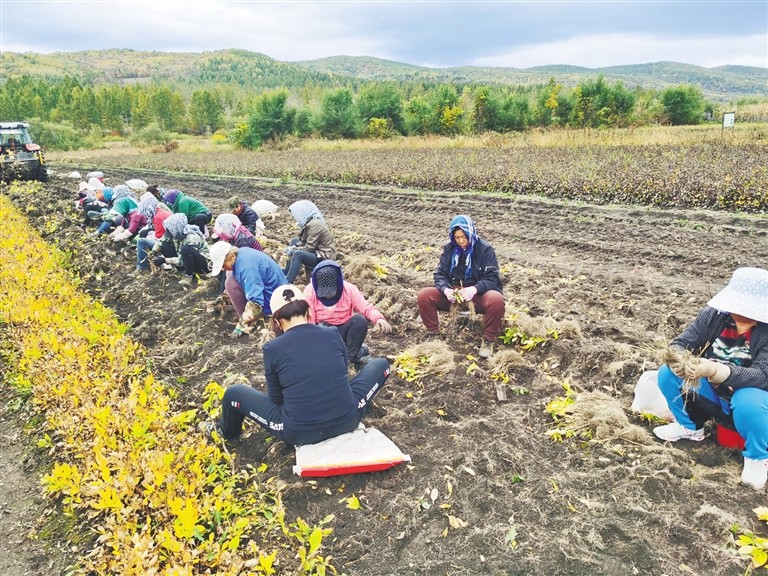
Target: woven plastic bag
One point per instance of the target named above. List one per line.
(363, 450)
(648, 397)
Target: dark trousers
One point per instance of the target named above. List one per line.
(201, 220)
(353, 332)
(193, 261)
(242, 401)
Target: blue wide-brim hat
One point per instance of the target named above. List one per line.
(746, 295)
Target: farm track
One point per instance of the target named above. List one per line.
(622, 275)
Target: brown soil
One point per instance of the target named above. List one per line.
(610, 278)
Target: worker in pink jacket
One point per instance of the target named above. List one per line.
(334, 302)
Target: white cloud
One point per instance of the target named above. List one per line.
(601, 50)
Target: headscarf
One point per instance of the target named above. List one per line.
(122, 191)
(107, 193)
(170, 197)
(328, 282)
(465, 224)
(226, 226)
(177, 226)
(148, 205)
(303, 211)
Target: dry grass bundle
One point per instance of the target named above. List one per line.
(505, 361)
(360, 268)
(542, 326)
(676, 359)
(433, 357)
(601, 416)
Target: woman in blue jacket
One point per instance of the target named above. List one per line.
(468, 272)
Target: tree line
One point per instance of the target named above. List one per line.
(70, 111)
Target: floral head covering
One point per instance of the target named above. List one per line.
(303, 211)
(226, 226)
(148, 205)
(178, 226)
(122, 191)
(465, 224)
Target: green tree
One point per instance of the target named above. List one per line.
(382, 101)
(206, 112)
(338, 115)
(271, 119)
(683, 105)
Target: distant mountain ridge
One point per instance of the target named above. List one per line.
(258, 71)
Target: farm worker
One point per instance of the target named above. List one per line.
(228, 228)
(193, 254)
(314, 243)
(196, 212)
(335, 302)
(95, 204)
(729, 370)
(467, 272)
(309, 396)
(123, 203)
(254, 278)
(153, 214)
(244, 213)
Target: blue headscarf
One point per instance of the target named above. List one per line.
(465, 224)
(303, 211)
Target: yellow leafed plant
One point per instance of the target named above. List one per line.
(161, 499)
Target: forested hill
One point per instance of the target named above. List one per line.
(257, 71)
(718, 83)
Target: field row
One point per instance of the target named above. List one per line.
(708, 175)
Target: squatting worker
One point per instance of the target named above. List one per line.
(729, 368)
(309, 395)
(255, 275)
(467, 272)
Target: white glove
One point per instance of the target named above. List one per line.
(174, 261)
(715, 372)
(124, 235)
(383, 326)
(115, 232)
(450, 294)
(468, 293)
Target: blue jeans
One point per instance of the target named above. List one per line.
(143, 247)
(241, 401)
(748, 408)
(299, 258)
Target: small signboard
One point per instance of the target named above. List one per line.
(729, 119)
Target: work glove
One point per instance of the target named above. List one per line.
(251, 313)
(383, 326)
(290, 250)
(468, 293)
(116, 232)
(124, 235)
(158, 261)
(174, 261)
(241, 330)
(676, 362)
(450, 293)
(715, 372)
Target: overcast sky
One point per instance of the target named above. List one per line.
(438, 33)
